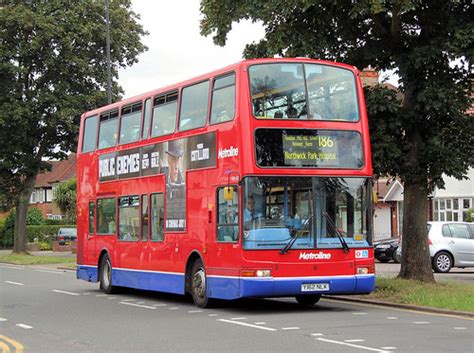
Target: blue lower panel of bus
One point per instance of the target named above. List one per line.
(149, 280)
(87, 273)
(234, 287)
(146, 280)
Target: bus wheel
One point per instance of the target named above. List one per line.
(106, 275)
(198, 285)
(308, 299)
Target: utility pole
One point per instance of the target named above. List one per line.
(107, 44)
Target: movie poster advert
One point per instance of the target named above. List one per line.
(173, 159)
(174, 170)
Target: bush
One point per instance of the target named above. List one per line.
(46, 246)
(56, 222)
(6, 234)
(34, 216)
(44, 233)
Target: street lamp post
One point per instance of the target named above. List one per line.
(107, 44)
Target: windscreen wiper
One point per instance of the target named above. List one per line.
(339, 236)
(297, 234)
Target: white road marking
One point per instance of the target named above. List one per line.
(359, 313)
(15, 283)
(101, 295)
(354, 340)
(421, 322)
(460, 328)
(159, 304)
(138, 305)
(85, 293)
(248, 325)
(195, 311)
(111, 298)
(392, 318)
(64, 292)
(51, 271)
(13, 267)
(389, 348)
(317, 334)
(3, 319)
(238, 318)
(212, 315)
(260, 323)
(290, 328)
(173, 308)
(128, 300)
(353, 345)
(26, 327)
(140, 302)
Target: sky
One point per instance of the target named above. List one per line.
(176, 50)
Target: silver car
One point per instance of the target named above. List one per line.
(451, 245)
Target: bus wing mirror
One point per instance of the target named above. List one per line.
(228, 193)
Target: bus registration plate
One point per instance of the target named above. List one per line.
(314, 287)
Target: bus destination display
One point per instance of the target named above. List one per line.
(304, 148)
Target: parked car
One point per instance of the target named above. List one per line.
(386, 250)
(66, 235)
(451, 245)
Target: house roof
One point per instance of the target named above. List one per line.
(388, 189)
(60, 171)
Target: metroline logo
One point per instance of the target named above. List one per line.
(314, 256)
(228, 152)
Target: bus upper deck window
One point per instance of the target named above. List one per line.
(165, 108)
(90, 134)
(194, 106)
(108, 129)
(223, 99)
(130, 123)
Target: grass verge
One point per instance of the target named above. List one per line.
(24, 259)
(445, 295)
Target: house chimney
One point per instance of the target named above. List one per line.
(369, 76)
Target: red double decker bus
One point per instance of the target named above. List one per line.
(251, 181)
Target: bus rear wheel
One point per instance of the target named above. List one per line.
(308, 299)
(198, 285)
(105, 273)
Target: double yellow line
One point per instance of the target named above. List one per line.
(5, 348)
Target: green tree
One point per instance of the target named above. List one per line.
(429, 44)
(53, 68)
(65, 197)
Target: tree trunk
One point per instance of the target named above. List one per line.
(20, 239)
(416, 263)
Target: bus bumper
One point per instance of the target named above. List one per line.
(289, 286)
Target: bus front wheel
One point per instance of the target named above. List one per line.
(106, 275)
(308, 299)
(198, 285)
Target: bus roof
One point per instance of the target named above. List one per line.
(232, 67)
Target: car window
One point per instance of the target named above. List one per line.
(471, 227)
(446, 231)
(459, 231)
(68, 231)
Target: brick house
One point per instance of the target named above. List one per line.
(43, 193)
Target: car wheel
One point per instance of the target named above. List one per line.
(383, 260)
(106, 275)
(442, 262)
(198, 285)
(308, 299)
(397, 258)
